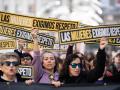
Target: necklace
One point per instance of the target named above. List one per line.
(51, 77)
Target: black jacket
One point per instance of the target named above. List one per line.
(115, 78)
(19, 79)
(17, 52)
(91, 76)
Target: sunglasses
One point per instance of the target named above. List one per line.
(8, 63)
(74, 65)
(26, 58)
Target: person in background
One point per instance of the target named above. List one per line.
(73, 73)
(61, 60)
(19, 50)
(101, 79)
(113, 71)
(90, 60)
(26, 59)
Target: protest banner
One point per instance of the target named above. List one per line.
(26, 71)
(112, 41)
(39, 23)
(57, 47)
(7, 44)
(89, 33)
(23, 86)
(22, 33)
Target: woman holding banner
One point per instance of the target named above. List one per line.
(73, 68)
(45, 65)
(8, 66)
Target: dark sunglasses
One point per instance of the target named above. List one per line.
(26, 58)
(8, 63)
(74, 65)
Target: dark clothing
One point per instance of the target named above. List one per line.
(88, 77)
(115, 77)
(18, 52)
(1, 72)
(69, 50)
(19, 79)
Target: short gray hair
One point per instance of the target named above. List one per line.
(8, 55)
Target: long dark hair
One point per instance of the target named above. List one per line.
(68, 60)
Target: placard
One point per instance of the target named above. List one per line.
(7, 44)
(87, 34)
(34, 22)
(21, 33)
(26, 71)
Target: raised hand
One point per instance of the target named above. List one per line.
(103, 42)
(21, 44)
(34, 33)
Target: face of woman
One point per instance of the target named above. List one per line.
(117, 60)
(48, 61)
(26, 61)
(9, 67)
(74, 67)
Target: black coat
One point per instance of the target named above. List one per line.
(115, 78)
(19, 79)
(88, 77)
(19, 53)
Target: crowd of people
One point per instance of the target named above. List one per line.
(75, 68)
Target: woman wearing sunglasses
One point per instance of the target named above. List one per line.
(73, 73)
(26, 59)
(8, 65)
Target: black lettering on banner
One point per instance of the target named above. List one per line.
(118, 40)
(7, 31)
(35, 23)
(21, 33)
(46, 40)
(10, 31)
(15, 33)
(59, 26)
(7, 44)
(26, 71)
(43, 24)
(65, 26)
(89, 33)
(39, 23)
(5, 18)
(112, 40)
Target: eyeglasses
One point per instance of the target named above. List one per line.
(26, 58)
(8, 63)
(74, 65)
